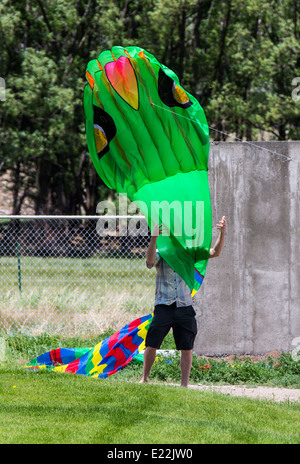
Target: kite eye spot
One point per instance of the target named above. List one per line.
(100, 138)
(170, 93)
(104, 130)
(180, 95)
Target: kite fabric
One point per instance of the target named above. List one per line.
(148, 138)
(105, 359)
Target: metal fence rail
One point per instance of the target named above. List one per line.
(73, 275)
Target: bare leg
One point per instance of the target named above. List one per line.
(185, 366)
(149, 358)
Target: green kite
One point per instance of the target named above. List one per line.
(148, 138)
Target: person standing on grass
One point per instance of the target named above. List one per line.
(173, 308)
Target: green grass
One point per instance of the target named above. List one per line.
(63, 408)
(68, 303)
(45, 407)
(36, 272)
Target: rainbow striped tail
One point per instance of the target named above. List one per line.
(106, 358)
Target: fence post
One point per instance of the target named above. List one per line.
(19, 267)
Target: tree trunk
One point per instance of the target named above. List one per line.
(43, 178)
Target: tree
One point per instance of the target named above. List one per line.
(238, 58)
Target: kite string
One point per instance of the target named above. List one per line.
(224, 133)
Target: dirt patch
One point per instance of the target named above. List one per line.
(257, 358)
(276, 394)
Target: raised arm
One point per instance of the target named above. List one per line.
(218, 246)
(150, 254)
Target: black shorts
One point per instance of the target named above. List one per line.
(181, 319)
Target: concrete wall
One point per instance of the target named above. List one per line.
(249, 302)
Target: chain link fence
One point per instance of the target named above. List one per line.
(73, 276)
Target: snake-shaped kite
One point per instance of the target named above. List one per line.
(148, 138)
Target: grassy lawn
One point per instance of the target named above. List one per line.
(63, 408)
(56, 273)
(68, 303)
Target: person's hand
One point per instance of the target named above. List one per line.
(157, 230)
(221, 226)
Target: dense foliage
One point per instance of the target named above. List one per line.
(238, 57)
